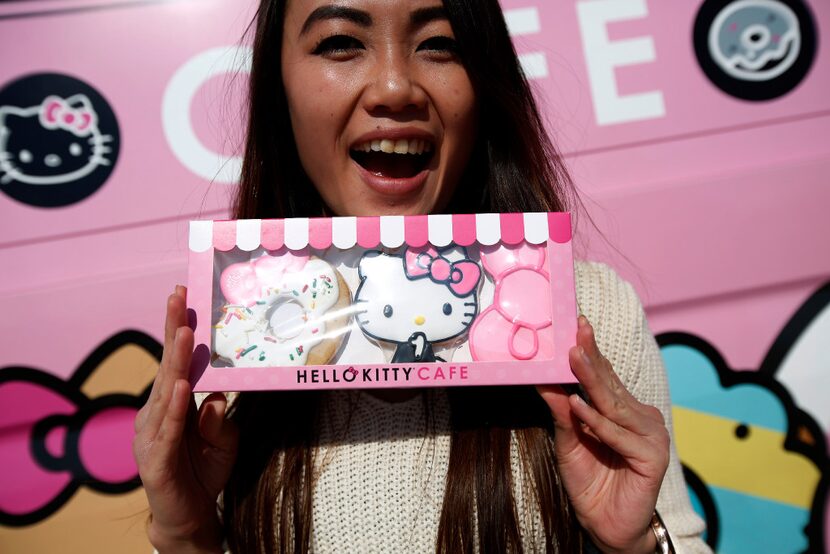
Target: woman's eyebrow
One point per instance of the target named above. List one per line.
(422, 16)
(336, 12)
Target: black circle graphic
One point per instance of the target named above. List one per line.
(732, 37)
(742, 431)
(59, 140)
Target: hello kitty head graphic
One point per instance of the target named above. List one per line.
(54, 142)
(417, 297)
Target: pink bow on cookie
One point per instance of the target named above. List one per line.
(461, 277)
(244, 283)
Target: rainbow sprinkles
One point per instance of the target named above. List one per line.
(272, 300)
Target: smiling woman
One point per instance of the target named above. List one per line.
(329, 80)
(382, 108)
(374, 107)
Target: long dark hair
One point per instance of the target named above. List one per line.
(513, 167)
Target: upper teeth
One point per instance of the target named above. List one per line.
(400, 146)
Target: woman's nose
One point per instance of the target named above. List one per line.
(394, 86)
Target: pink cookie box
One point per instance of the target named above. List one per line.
(384, 302)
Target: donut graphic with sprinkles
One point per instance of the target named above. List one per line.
(755, 49)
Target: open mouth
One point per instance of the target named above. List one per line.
(393, 159)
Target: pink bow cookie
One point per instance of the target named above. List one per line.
(245, 283)
(517, 325)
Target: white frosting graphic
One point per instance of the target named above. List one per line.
(284, 321)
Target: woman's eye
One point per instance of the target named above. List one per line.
(338, 45)
(440, 45)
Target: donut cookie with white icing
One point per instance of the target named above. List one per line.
(287, 310)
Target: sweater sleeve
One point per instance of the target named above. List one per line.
(623, 336)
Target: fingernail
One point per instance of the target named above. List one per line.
(579, 399)
(582, 321)
(584, 356)
(174, 395)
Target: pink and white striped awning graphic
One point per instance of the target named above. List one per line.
(390, 231)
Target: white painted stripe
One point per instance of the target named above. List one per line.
(201, 235)
(536, 227)
(439, 227)
(391, 230)
(522, 21)
(248, 234)
(344, 231)
(534, 65)
(488, 229)
(296, 233)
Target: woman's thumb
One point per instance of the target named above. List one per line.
(218, 431)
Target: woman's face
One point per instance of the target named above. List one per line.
(382, 110)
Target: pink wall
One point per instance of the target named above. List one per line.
(719, 204)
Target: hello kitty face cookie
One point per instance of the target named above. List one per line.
(287, 310)
(417, 298)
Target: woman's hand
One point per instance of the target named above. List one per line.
(612, 455)
(184, 457)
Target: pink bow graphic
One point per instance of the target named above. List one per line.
(518, 324)
(461, 277)
(56, 113)
(244, 283)
(54, 438)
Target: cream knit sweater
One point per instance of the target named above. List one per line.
(381, 478)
